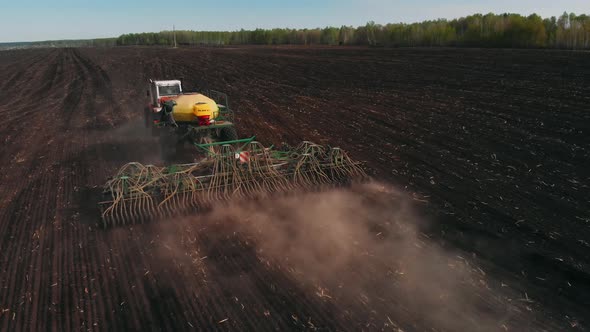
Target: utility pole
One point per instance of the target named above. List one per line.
(174, 31)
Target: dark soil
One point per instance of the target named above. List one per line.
(490, 147)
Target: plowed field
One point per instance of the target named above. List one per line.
(478, 219)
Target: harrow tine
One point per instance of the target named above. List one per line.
(140, 193)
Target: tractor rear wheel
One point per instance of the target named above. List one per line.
(228, 134)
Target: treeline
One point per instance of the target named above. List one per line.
(100, 42)
(569, 31)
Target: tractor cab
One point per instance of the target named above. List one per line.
(160, 91)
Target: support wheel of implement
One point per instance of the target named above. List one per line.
(228, 134)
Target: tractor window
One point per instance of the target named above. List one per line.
(168, 90)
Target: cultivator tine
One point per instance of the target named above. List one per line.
(253, 172)
(141, 193)
(264, 167)
(223, 177)
(344, 170)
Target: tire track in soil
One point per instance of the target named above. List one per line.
(77, 108)
(81, 178)
(76, 88)
(102, 290)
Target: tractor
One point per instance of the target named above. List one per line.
(232, 168)
(179, 117)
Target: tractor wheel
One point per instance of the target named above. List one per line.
(228, 134)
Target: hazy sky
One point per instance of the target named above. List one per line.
(28, 20)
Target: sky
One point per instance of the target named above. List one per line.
(36, 20)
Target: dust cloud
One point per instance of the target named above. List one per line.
(131, 141)
(361, 249)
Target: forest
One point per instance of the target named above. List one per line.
(568, 31)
